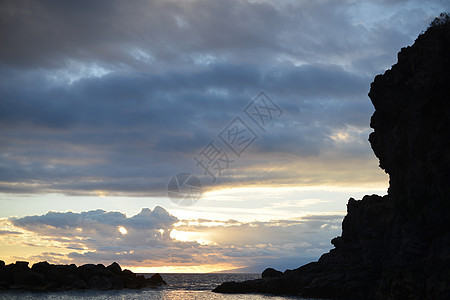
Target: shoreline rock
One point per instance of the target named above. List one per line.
(395, 246)
(43, 276)
(271, 273)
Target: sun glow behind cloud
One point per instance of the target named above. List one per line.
(269, 203)
(123, 230)
(190, 236)
(162, 243)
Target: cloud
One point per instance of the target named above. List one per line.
(53, 223)
(8, 232)
(113, 34)
(155, 238)
(117, 98)
(137, 133)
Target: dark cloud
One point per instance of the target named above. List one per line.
(130, 132)
(158, 34)
(115, 33)
(8, 232)
(117, 97)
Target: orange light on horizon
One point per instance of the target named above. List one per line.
(208, 268)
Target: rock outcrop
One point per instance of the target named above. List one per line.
(396, 246)
(270, 273)
(43, 276)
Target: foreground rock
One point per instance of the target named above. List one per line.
(46, 277)
(396, 246)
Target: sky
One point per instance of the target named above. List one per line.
(104, 103)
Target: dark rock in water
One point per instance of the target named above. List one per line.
(233, 287)
(102, 271)
(79, 284)
(140, 281)
(156, 280)
(35, 279)
(117, 283)
(271, 272)
(41, 267)
(99, 282)
(85, 271)
(115, 268)
(128, 273)
(47, 277)
(396, 246)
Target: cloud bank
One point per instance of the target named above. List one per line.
(117, 98)
(155, 238)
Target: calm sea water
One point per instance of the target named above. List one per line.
(179, 287)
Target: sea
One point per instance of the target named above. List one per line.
(179, 287)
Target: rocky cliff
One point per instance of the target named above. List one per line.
(396, 246)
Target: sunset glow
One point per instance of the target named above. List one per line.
(184, 269)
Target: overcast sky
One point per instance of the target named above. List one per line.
(103, 102)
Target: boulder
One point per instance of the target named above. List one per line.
(41, 267)
(115, 268)
(101, 270)
(155, 280)
(79, 284)
(22, 265)
(99, 282)
(85, 271)
(117, 283)
(270, 273)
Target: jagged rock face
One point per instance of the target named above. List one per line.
(412, 120)
(396, 246)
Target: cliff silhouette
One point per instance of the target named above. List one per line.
(396, 246)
